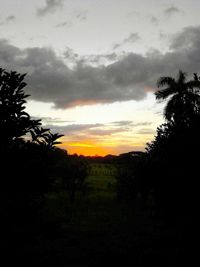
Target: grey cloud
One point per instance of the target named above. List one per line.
(76, 16)
(116, 127)
(50, 7)
(8, 53)
(146, 131)
(70, 54)
(82, 16)
(8, 19)
(72, 128)
(122, 123)
(141, 124)
(131, 123)
(66, 24)
(133, 14)
(97, 129)
(50, 120)
(163, 36)
(106, 132)
(93, 130)
(50, 79)
(172, 11)
(154, 20)
(99, 59)
(111, 56)
(189, 38)
(132, 38)
(55, 121)
(92, 59)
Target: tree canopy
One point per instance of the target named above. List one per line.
(15, 122)
(183, 97)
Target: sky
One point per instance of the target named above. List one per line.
(92, 65)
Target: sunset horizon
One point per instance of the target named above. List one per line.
(93, 78)
(94, 150)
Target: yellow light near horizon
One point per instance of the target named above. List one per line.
(96, 149)
(80, 145)
(84, 149)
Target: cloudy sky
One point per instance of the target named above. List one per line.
(92, 65)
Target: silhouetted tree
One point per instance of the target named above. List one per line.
(184, 97)
(167, 172)
(14, 121)
(172, 156)
(26, 164)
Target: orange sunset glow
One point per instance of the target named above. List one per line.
(81, 149)
(92, 148)
(86, 148)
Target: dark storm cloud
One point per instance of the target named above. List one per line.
(8, 53)
(50, 79)
(189, 38)
(50, 7)
(132, 38)
(172, 11)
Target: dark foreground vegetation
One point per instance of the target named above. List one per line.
(136, 209)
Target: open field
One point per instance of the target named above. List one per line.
(98, 230)
(102, 231)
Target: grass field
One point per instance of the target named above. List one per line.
(101, 231)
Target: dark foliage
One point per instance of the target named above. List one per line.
(32, 169)
(29, 161)
(166, 175)
(183, 97)
(172, 158)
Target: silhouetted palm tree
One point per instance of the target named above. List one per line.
(184, 95)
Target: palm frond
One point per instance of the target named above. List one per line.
(165, 93)
(169, 111)
(193, 85)
(162, 81)
(181, 77)
(196, 77)
(173, 108)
